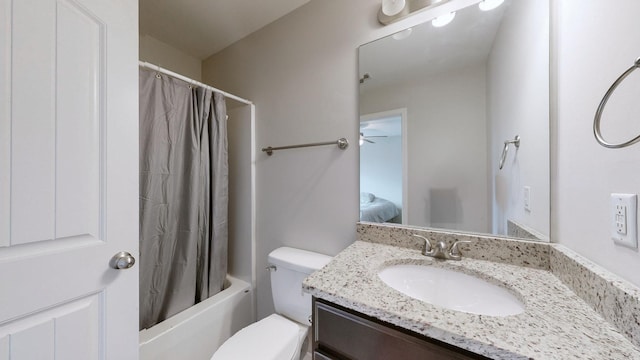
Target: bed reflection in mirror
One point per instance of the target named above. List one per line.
(377, 209)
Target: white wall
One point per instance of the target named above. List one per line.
(595, 42)
(159, 53)
(447, 146)
(301, 71)
(240, 216)
(518, 97)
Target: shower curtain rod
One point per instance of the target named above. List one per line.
(150, 66)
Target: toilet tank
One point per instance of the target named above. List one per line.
(292, 266)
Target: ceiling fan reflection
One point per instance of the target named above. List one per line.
(364, 138)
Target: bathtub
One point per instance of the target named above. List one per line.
(198, 331)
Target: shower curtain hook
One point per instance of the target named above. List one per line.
(158, 72)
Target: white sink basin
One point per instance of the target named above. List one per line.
(452, 290)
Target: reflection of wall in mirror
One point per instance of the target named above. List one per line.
(445, 119)
(445, 208)
(518, 103)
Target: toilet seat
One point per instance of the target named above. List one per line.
(274, 338)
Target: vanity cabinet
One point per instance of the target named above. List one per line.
(340, 333)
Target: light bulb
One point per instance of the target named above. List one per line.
(402, 34)
(443, 20)
(392, 7)
(486, 5)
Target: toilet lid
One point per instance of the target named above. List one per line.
(273, 338)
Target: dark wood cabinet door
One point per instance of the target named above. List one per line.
(340, 333)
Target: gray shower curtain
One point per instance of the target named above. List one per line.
(183, 196)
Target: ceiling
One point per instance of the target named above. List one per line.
(201, 28)
(428, 50)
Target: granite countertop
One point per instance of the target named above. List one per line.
(556, 324)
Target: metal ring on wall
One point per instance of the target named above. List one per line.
(516, 142)
(597, 118)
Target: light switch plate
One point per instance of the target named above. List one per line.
(624, 222)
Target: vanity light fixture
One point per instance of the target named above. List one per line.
(486, 5)
(443, 20)
(392, 7)
(395, 10)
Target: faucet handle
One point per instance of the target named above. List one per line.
(428, 248)
(454, 252)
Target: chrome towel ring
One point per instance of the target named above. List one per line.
(596, 119)
(516, 142)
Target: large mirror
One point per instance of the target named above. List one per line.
(440, 110)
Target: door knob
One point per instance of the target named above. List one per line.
(122, 260)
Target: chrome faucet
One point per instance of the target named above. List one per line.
(439, 250)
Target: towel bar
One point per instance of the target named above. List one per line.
(342, 144)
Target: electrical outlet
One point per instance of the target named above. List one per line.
(621, 219)
(624, 226)
(527, 198)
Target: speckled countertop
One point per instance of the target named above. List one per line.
(556, 324)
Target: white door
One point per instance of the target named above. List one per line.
(68, 179)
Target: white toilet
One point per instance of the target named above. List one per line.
(279, 336)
